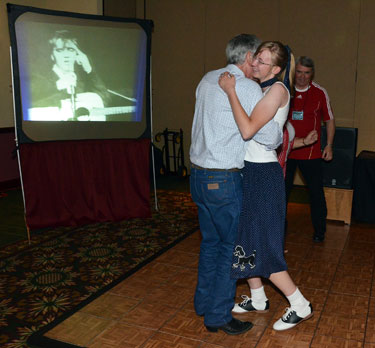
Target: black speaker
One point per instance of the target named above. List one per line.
(339, 172)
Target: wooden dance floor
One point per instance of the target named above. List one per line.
(154, 307)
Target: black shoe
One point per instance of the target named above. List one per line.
(318, 239)
(234, 327)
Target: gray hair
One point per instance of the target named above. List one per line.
(238, 47)
(306, 62)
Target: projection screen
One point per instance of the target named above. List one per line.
(79, 76)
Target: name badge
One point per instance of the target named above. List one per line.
(297, 115)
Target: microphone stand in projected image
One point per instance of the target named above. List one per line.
(86, 106)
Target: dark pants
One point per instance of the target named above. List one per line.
(218, 195)
(312, 173)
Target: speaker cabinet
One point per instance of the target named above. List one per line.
(338, 173)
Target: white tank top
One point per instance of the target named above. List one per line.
(256, 152)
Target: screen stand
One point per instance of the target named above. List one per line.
(17, 148)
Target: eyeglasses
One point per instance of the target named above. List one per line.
(260, 61)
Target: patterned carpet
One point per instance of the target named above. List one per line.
(66, 268)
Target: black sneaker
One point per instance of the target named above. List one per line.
(246, 306)
(234, 327)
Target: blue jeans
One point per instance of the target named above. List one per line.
(218, 195)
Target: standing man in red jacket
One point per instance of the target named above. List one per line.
(309, 108)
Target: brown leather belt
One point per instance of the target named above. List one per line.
(215, 169)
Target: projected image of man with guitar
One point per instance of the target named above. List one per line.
(71, 90)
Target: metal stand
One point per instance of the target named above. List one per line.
(152, 141)
(18, 151)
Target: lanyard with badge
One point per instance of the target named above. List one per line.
(298, 115)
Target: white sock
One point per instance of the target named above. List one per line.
(298, 302)
(258, 298)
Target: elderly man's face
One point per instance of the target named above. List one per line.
(303, 76)
(64, 54)
(247, 68)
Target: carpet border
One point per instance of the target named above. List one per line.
(37, 339)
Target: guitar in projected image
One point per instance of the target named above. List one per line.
(83, 107)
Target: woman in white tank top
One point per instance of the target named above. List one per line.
(259, 250)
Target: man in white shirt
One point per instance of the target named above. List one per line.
(217, 156)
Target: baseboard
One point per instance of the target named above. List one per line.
(10, 184)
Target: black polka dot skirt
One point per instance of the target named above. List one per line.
(259, 249)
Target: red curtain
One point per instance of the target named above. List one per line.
(73, 183)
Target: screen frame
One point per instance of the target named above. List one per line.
(14, 12)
